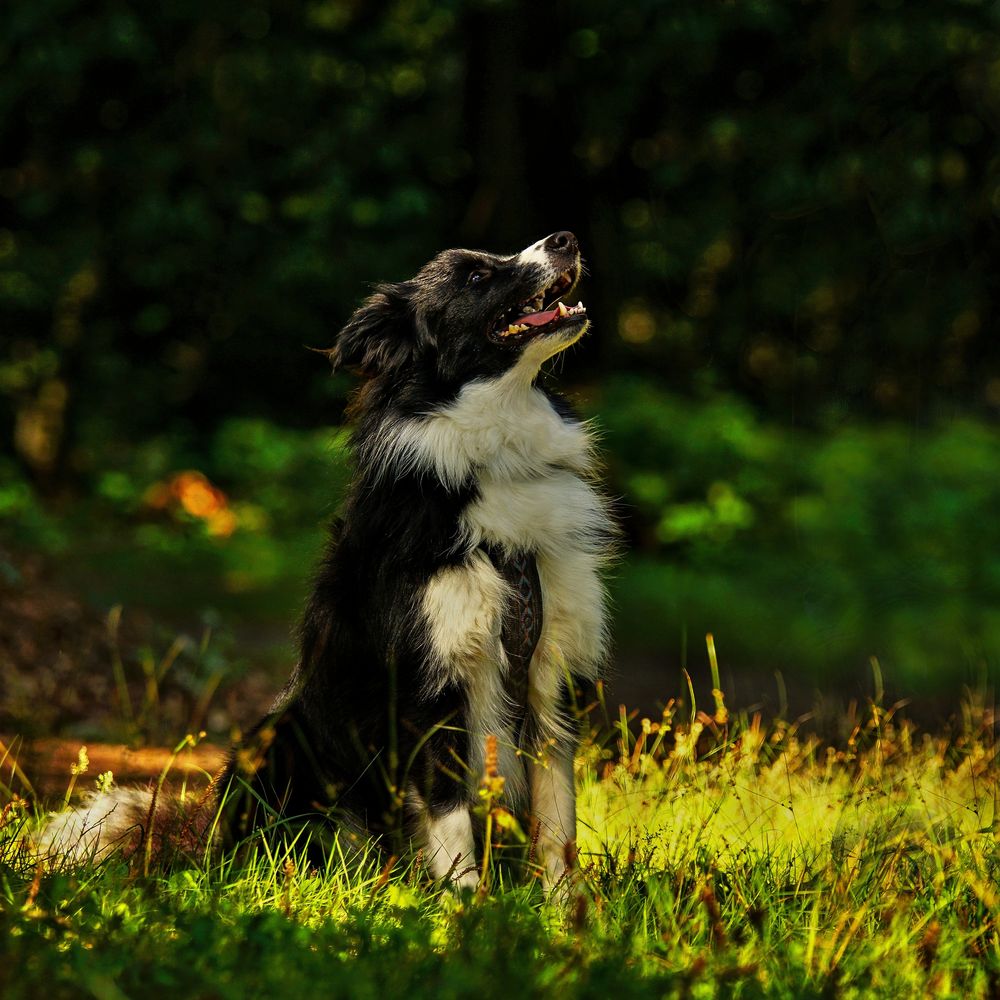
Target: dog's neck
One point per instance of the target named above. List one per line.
(506, 428)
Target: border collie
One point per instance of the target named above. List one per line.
(460, 596)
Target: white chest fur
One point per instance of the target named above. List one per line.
(533, 471)
(504, 427)
(563, 520)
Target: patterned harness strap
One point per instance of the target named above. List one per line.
(522, 623)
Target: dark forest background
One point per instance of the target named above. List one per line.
(791, 214)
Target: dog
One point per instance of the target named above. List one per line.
(459, 605)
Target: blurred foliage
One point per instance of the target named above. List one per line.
(794, 201)
(806, 549)
(244, 540)
(801, 551)
(790, 211)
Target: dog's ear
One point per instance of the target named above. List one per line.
(382, 334)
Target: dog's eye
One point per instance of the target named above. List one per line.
(479, 275)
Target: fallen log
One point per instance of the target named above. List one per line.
(44, 768)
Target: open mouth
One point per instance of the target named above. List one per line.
(544, 312)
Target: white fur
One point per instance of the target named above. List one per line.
(564, 520)
(537, 254)
(463, 606)
(505, 425)
(451, 849)
(539, 350)
(534, 472)
(101, 824)
(545, 513)
(553, 800)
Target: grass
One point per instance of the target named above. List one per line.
(718, 856)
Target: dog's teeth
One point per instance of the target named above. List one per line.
(562, 309)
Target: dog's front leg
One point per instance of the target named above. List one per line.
(450, 846)
(443, 796)
(553, 805)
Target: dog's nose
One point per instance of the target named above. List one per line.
(561, 241)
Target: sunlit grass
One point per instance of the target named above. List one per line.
(718, 856)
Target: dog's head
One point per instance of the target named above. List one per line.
(469, 314)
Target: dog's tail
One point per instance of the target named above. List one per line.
(127, 820)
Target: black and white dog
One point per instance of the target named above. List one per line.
(460, 597)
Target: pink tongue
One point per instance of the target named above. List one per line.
(540, 318)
